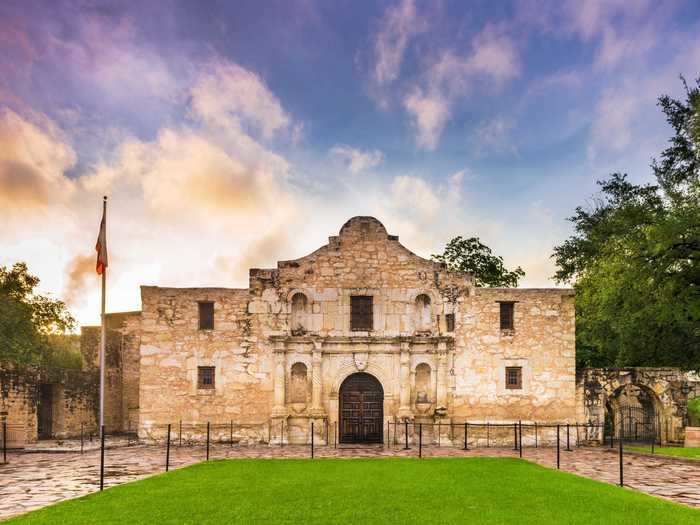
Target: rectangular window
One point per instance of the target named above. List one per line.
(361, 315)
(205, 377)
(514, 377)
(450, 321)
(507, 313)
(206, 316)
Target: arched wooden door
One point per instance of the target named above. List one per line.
(361, 409)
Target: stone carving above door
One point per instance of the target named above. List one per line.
(361, 359)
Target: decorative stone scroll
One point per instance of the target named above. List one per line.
(361, 360)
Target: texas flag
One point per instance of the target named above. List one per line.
(101, 246)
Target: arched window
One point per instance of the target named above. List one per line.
(298, 323)
(422, 313)
(298, 388)
(423, 383)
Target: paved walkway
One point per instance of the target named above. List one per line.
(31, 481)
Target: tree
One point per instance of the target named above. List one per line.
(31, 325)
(634, 258)
(471, 255)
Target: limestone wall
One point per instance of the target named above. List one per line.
(73, 401)
(282, 348)
(122, 367)
(542, 343)
(172, 348)
(667, 389)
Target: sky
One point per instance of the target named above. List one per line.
(231, 135)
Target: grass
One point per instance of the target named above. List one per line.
(397, 490)
(683, 452)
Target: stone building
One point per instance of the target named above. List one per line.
(360, 333)
(52, 403)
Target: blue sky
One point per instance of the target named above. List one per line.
(234, 134)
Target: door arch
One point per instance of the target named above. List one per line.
(361, 409)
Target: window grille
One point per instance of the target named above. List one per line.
(206, 316)
(514, 377)
(205, 377)
(361, 314)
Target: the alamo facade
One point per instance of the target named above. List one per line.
(359, 333)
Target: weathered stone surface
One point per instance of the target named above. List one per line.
(601, 391)
(260, 333)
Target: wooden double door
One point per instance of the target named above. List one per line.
(361, 409)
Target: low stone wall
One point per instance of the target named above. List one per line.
(692, 436)
(74, 401)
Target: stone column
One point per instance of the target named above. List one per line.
(405, 378)
(279, 409)
(441, 396)
(316, 379)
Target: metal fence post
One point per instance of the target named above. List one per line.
(488, 434)
(167, 451)
(312, 440)
(102, 457)
(535, 434)
(466, 433)
(622, 480)
(207, 440)
(4, 441)
(515, 436)
(568, 448)
(420, 440)
(180, 433)
(439, 431)
(82, 440)
(520, 437)
(406, 447)
(335, 434)
(557, 446)
(231, 433)
(281, 433)
(577, 438)
(612, 432)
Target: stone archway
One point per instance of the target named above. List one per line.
(361, 409)
(634, 413)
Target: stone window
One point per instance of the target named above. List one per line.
(422, 313)
(514, 377)
(205, 377)
(299, 385)
(423, 383)
(206, 315)
(300, 306)
(450, 322)
(361, 314)
(507, 315)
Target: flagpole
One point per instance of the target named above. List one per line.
(103, 331)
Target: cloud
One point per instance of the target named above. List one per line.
(33, 158)
(357, 160)
(399, 25)
(492, 59)
(493, 136)
(429, 114)
(229, 95)
(414, 196)
(78, 273)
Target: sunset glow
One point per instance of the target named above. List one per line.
(231, 137)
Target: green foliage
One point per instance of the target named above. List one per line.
(471, 255)
(694, 414)
(634, 259)
(32, 326)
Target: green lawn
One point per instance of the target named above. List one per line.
(398, 490)
(690, 452)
